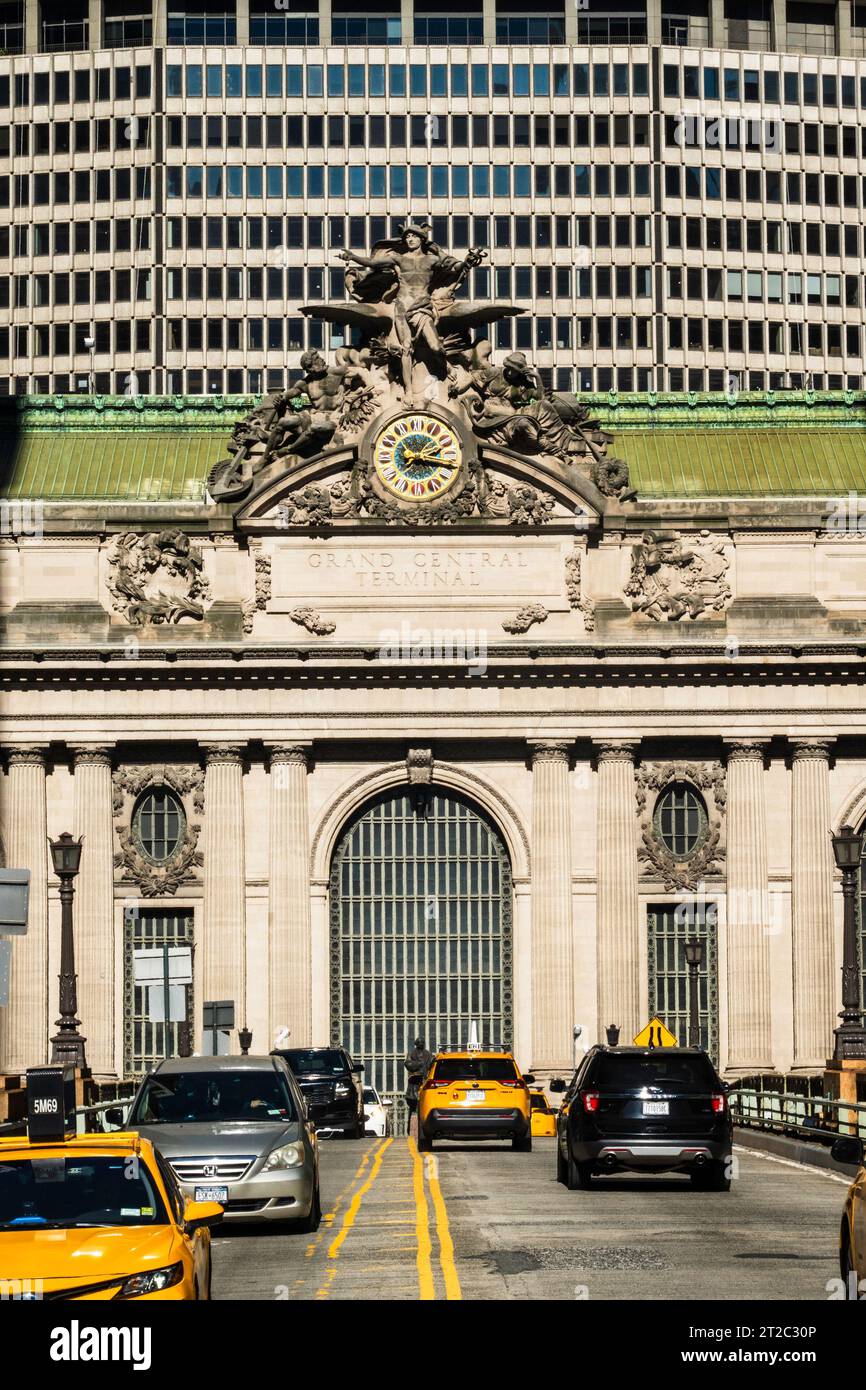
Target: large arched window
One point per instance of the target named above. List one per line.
(420, 932)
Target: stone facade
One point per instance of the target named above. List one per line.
(723, 653)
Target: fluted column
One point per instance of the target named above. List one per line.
(289, 940)
(93, 905)
(750, 1046)
(24, 1023)
(223, 938)
(552, 929)
(617, 929)
(812, 868)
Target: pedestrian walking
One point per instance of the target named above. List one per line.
(417, 1063)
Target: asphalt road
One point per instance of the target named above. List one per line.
(481, 1222)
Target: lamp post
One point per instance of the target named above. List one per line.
(67, 1045)
(850, 1035)
(245, 1038)
(694, 950)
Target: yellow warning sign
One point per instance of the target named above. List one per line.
(655, 1035)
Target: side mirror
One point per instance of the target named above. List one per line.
(386, 1102)
(848, 1150)
(529, 1078)
(114, 1116)
(196, 1215)
(557, 1085)
(358, 1068)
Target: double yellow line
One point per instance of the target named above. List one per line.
(424, 1260)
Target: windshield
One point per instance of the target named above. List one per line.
(56, 1193)
(677, 1073)
(370, 1096)
(201, 1097)
(476, 1069)
(318, 1061)
(538, 1102)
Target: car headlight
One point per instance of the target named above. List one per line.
(151, 1281)
(287, 1156)
(342, 1088)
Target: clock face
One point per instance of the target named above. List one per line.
(417, 457)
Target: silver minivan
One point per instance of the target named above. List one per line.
(235, 1131)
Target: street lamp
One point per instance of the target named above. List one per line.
(694, 950)
(850, 1035)
(612, 1031)
(67, 1045)
(245, 1038)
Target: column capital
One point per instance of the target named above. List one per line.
(91, 754)
(746, 750)
(217, 753)
(297, 754)
(615, 750)
(549, 750)
(26, 754)
(814, 749)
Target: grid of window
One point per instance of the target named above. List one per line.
(705, 235)
(668, 928)
(421, 933)
(147, 1042)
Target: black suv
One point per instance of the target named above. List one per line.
(647, 1109)
(331, 1086)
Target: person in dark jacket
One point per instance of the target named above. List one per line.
(417, 1063)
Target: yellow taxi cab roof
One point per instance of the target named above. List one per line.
(473, 1052)
(123, 1141)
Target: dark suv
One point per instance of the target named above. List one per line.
(331, 1085)
(652, 1110)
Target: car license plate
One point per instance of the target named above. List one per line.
(475, 1095)
(655, 1107)
(212, 1194)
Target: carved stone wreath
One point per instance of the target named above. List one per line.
(156, 880)
(156, 578)
(654, 857)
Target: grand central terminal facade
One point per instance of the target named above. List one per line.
(436, 700)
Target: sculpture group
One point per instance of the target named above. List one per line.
(419, 340)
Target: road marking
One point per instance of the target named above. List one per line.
(446, 1244)
(792, 1163)
(426, 1287)
(355, 1204)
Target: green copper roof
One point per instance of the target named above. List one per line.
(161, 450)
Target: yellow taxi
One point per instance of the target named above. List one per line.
(852, 1235)
(95, 1216)
(475, 1095)
(542, 1118)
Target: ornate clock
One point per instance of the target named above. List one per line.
(417, 457)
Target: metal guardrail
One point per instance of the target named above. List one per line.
(812, 1117)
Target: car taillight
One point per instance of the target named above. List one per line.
(437, 1085)
(590, 1101)
(518, 1082)
(719, 1103)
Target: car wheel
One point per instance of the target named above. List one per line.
(578, 1176)
(846, 1266)
(313, 1221)
(522, 1146)
(560, 1165)
(713, 1177)
(424, 1144)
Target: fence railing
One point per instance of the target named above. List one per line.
(814, 1117)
